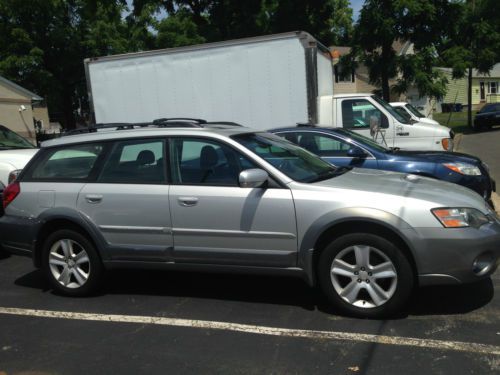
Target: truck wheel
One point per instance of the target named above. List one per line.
(71, 263)
(365, 275)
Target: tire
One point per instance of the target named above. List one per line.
(71, 263)
(372, 278)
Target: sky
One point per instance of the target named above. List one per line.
(356, 7)
(355, 4)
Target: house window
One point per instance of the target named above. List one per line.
(492, 87)
(343, 75)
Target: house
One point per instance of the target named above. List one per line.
(20, 108)
(485, 87)
(349, 82)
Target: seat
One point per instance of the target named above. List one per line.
(208, 161)
(308, 142)
(145, 158)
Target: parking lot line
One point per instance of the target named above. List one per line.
(260, 330)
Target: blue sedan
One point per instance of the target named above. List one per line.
(342, 147)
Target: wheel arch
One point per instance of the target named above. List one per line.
(53, 221)
(357, 220)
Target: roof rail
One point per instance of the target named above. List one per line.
(174, 122)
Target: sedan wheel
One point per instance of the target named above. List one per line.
(365, 275)
(71, 263)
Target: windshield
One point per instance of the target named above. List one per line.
(11, 140)
(403, 113)
(391, 110)
(297, 163)
(413, 110)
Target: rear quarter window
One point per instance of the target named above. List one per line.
(70, 163)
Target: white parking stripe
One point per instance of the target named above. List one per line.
(271, 331)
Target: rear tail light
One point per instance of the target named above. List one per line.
(10, 193)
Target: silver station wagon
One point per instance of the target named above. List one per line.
(192, 195)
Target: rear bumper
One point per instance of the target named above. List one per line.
(456, 256)
(18, 234)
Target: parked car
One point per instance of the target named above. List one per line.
(193, 195)
(15, 152)
(406, 109)
(487, 117)
(342, 147)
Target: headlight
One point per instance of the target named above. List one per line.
(460, 217)
(463, 168)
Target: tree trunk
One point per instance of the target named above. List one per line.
(469, 99)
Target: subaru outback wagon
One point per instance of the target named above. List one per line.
(192, 195)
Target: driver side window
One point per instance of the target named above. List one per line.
(197, 161)
(362, 114)
(323, 145)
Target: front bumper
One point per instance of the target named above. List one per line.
(455, 256)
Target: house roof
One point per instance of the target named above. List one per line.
(494, 72)
(401, 48)
(20, 90)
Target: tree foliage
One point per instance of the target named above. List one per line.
(384, 23)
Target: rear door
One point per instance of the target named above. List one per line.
(128, 202)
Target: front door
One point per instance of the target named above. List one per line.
(482, 95)
(129, 202)
(217, 222)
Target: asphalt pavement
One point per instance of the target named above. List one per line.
(189, 323)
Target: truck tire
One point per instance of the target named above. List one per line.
(71, 263)
(365, 275)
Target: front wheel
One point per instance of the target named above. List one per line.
(365, 275)
(71, 263)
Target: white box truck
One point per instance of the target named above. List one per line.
(263, 82)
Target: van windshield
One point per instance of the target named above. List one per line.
(390, 109)
(414, 110)
(292, 160)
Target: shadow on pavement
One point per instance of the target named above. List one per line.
(3, 254)
(437, 300)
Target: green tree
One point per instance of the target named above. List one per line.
(43, 44)
(423, 23)
(474, 42)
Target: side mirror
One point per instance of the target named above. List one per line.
(356, 152)
(253, 178)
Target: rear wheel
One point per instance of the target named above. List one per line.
(71, 263)
(365, 275)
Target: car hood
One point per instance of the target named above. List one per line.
(426, 120)
(17, 158)
(427, 128)
(434, 156)
(401, 185)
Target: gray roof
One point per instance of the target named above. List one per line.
(20, 89)
(493, 73)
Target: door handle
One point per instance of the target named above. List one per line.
(188, 201)
(93, 198)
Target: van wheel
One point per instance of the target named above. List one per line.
(365, 275)
(71, 263)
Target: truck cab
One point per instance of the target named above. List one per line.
(372, 117)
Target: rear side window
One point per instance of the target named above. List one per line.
(135, 162)
(70, 163)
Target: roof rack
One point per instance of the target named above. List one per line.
(174, 122)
